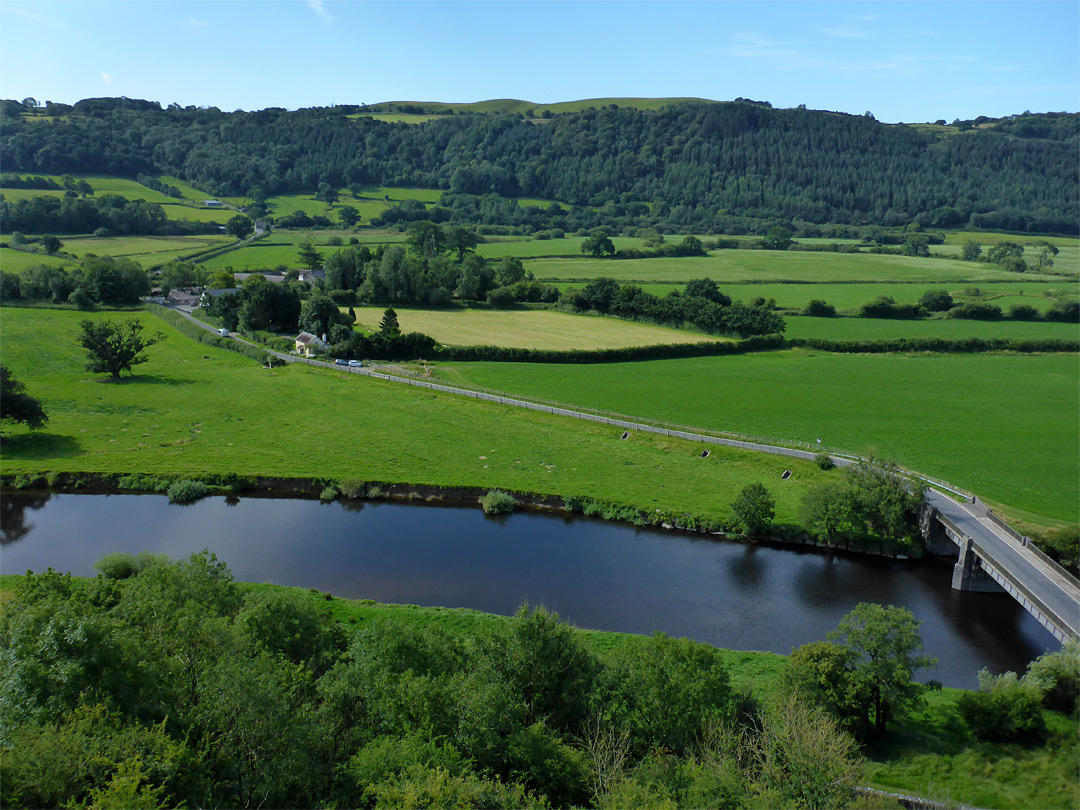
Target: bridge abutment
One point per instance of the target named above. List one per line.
(934, 535)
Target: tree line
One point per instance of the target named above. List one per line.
(687, 167)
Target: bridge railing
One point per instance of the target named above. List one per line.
(987, 556)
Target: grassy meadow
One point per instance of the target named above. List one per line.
(1006, 427)
(15, 261)
(885, 329)
(735, 266)
(528, 329)
(193, 410)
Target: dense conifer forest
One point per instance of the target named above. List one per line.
(699, 166)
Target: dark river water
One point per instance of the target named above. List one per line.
(595, 574)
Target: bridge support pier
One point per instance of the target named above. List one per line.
(967, 576)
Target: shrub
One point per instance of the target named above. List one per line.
(824, 461)
(123, 565)
(976, 311)
(1004, 709)
(354, 488)
(1057, 676)
(497, 502)
(501, 298)
(145, 483)
(329, 492)
(186, 491)
(1023, 312)
(886, 307)
(820, 309)
(936, 301)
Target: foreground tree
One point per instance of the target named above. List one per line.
(887, 642)
(18, 406)
(115, 346)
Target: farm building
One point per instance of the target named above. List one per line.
(213, 203)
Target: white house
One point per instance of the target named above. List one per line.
(309, 345)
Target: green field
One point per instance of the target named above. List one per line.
(194, 410)
(1005, 427)
(885, 329)
(395, 118)
(529, 329)
(514, 105)
(15, 261)
(527, 248)
(16, 194)
(733, 266)
(144, 249)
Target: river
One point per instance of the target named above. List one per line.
(595, 574)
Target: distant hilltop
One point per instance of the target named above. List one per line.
(530, 109)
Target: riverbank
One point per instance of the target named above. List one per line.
(325, 489)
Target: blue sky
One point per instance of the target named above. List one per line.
(902, 60)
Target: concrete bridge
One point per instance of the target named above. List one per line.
(993, 557)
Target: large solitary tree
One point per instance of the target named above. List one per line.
(240, 226)
(18, 406)
(115, 346)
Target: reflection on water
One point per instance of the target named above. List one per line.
(595, 574)
(13, 525)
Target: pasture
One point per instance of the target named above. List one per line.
(15, 261)
(193, 410)
(144, 249)
(529, 248)
(884, 329)
(740, 266)
(1004, 426)
(529, 329)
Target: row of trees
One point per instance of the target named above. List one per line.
(691, 167)
(701, 305)
(107, 214)
(164, 683)
(95, 280)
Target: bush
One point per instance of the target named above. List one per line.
(824, 461)
(123, 565)
(497, 502)
(187, 491)
(501, 298)
(819, 309)
(886, 307)
(1023, 312)
(976, 311)
(1057, 676)
(329, 492)
(1004, 709)
(354, 488)
(936, 301)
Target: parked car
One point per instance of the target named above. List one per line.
(356, 364)
(341, 362)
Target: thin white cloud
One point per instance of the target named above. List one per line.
(195, 23)
(788, 56)
(29, 15)
(318, 7)
(846, 32)
(106, 77)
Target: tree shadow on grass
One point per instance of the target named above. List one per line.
(31, 446)
(147, 379)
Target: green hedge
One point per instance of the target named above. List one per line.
(947, 345)
(662, 352)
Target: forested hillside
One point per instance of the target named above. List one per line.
(696, 165)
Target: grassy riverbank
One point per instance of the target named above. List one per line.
(192, 410)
